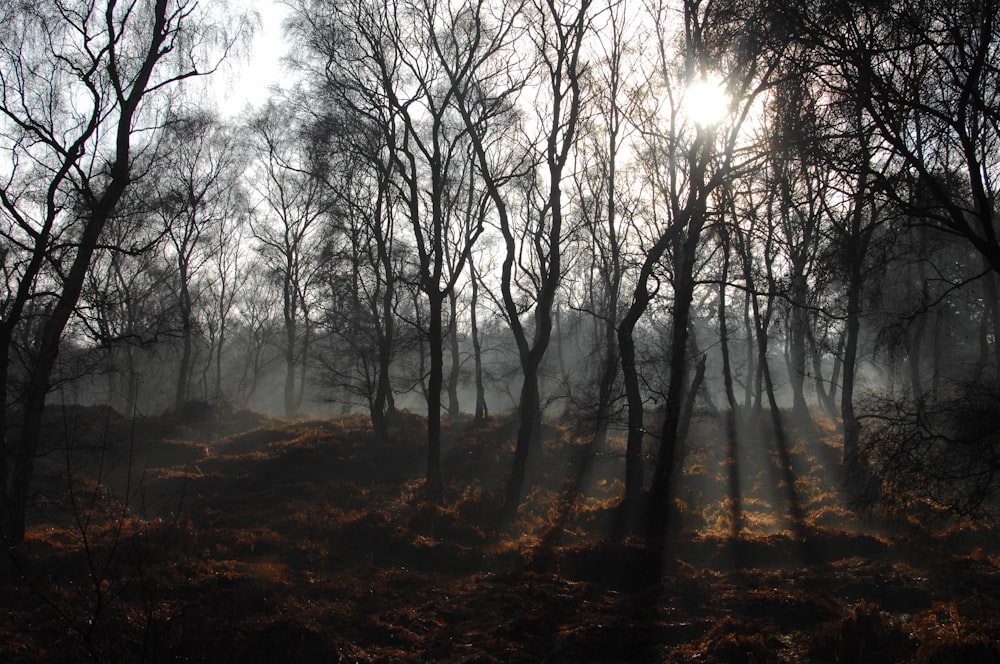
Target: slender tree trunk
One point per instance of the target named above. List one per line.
(797, 344)
(670, 442)
(856, 250)
(914, 352)
(635, 410)
(132, 389)
(606, 383)
(530, 420)
(6, 440)
(824, 396)
(12, 517)
(727, 370)
(938, 349)
(852, 427)
(482, 412)
(838, 366)
(751, 396)
(690, 401)
(993, 311)
(453, 375)
(630, 374)
(290, 332)
(529, 404)
(435, 486)
(856, 239)
(219, 394)
(300, 394)
(184, 372)
(385, 338)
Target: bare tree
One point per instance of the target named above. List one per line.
(83, 88)
(257, 327)
(231, 266)
(294, 200)
(486, 89)
(197, 195)
(687, 160)
(605, 202)
(386, 63)
(360, 277)
(126, 305)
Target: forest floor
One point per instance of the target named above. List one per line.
(233, 537)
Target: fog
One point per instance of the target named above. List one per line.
(660, 228)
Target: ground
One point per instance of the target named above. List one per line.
(234, 537)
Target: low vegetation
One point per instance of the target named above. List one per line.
(233, 537)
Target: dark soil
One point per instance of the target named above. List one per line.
(232, 537)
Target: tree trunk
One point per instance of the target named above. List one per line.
(690, 401)
(993, 311)
(435, 488)
(453, 375)
(670, 442)
(385, 338)
(633, 399)
(482, 412)
(184, 370)
(12, 519)
(300, 395)
(797, 344)
(289, 392)
(219, 394)
(606, 383)
(727, 371)
(751, 396)
(852, 427)
(913, 353)
(824, 396)
(530, 420)
(630, 374)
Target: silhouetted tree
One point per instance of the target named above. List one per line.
(487, 80)
(85, 88)
(197, 191)
(686, 160)
(293, 202)
(606, 203)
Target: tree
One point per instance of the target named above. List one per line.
(231, 267)
(197, 195)
(293, 201)
(487, 82)
(686, 161)
(345, 64)
(934, 454)
(126, 305)
(931, 93)
(387, 66)
(83, 92)
(258, 326)
(360, 277)
(605, 205)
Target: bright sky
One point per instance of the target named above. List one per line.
(249, 82)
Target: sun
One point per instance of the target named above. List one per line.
(706, 101)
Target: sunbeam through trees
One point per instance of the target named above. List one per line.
(684, 313)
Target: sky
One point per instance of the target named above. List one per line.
(248, 82)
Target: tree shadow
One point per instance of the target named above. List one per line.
(734, 489)
(787, 474)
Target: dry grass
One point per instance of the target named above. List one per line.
(309, 541)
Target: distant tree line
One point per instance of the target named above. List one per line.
(511, 205)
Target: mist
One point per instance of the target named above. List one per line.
(686, 314)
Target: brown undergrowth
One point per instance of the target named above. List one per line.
(241, 538)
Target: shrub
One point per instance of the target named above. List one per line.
(934, 455)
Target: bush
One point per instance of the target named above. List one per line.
(864, 637)
(941, 454)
